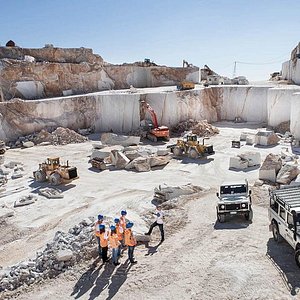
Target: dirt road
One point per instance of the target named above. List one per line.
(202, 260)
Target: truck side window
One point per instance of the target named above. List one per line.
(282, 212)
(274, 205)
(290, 220)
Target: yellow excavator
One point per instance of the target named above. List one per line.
(191, 147)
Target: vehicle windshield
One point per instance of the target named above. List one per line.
(233, 189)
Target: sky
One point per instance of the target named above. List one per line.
(215, 32)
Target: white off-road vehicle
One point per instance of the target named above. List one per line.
(284, 215)
(234, 199)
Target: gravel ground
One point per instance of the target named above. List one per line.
(200, 259)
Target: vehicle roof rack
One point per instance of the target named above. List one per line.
(288, 197)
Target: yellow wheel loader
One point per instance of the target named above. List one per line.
(54, 172)
(191, 147)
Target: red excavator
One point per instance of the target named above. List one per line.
(155, 132)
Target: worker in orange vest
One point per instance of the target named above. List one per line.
(123, 219)
(120, 233)
(97, 232)
(114, 244)
(103, 242)
(130, 241)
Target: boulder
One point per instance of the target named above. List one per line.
(237, 163)
(244, 135)
(100, 154)
(253, 158)
(121, 160)
(131, 155)
(270, 167)
(287, 173)
(250, 139)
(64, 255)
(28, 144)
(159, 160)
(266, 138)
(25, 200)
(98, 145)
(51, 193)
(115, 139)
(163, 151)
(141, 164)
(130, 165)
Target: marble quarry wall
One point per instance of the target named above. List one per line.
(291, 68)
(52, 54)
(291, 71)
(120, 111)
(295, 113)
(53, 72)
(125, 75)
(246, 102)
(279, 104)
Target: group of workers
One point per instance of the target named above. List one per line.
(120, 235)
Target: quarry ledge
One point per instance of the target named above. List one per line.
(119, 110)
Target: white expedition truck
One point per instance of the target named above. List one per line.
(234, 199)
(284, 215)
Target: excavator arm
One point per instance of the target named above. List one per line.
(152, 114)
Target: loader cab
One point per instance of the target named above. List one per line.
(191, 138)
(53, 163)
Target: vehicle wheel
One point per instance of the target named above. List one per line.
(193, 153)
(276, 234)
(177, 151)
(221, 218)
(40, 176)
(249, 215)
(297, 257)
(55, 179)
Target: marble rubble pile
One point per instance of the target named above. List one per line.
(60, 136)
(283, 127)
(61, 253)
(123, 152)
(141, 159)
(201, 128)
(245, 160)
(281, 169)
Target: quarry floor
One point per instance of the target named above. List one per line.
(200, 259)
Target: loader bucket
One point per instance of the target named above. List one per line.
(72, 172)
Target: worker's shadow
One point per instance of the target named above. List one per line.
(86, 280)
(118, 279)
(152, 249)
(111, 282)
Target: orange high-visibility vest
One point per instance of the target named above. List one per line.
(120, 232)
(103, 239)
(123, 222)
(113, 241)
(96, 227)
(129, 238)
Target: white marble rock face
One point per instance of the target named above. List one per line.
(120, 112)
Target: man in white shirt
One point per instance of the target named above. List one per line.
(158, 222)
